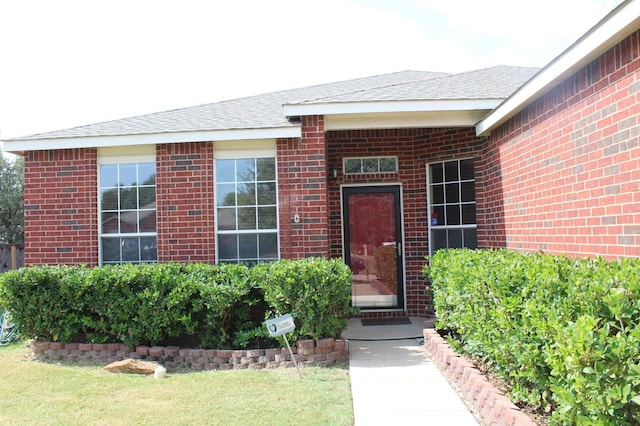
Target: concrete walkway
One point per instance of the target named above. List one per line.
(393, 381)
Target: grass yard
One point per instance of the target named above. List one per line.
(38, 393)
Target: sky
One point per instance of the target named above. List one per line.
(67, 63)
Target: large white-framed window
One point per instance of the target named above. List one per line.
(246, 194)
(451, 198)
(127, 207)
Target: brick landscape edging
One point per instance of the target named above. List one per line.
(488, 402)
(321, 353)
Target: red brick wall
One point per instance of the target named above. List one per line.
(302, 181)
(60, 196)
(563, 176)
(415, 148)
(185, 205)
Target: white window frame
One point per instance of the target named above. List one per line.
(243, 150)
(122, 156)
(374, 158)
(430, 204)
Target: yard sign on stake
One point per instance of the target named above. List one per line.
(279, 327)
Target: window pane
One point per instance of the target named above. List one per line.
(147, 197)
(110, 223)
(248, 246)
(128, 175)
(453, 215)
(128, 198)
(468, 191)
(437, 194)
(388, 165)
(246, 194)
(227, 246)
(437, 215)
(454, 238)
(352, 165)
(266, 169)
(227, 219)
(246, 170)
(268, 244)
(148, 249)
(129, 221)
(452, 195)
(369, 165)
(111, 249)
(109, 175)
(267, 218)
(436, 173)
(130, 250)
(466, 170)
(246, 218)
(470, 238)
(225, 171)
(469, 214)
(147, 221)
(439, 239)
(266, 193)
(146, 174)
(451, 171)
(226, 194)
(109, 199)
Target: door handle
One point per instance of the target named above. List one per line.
(399, 249)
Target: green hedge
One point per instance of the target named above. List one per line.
(213, 306)
(315, 291)
(564, 333)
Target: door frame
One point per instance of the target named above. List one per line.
(402, 293)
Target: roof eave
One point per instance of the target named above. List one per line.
(615, 27)
(376, 107)
(19, 146)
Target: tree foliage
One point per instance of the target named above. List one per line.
(11, 200)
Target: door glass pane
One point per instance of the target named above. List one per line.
(373, 249)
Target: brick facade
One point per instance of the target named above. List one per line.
(61, 207)
(302, 190)
(563, 176)
(185, 205)
(415, 148)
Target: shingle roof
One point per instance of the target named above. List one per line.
(266, 111)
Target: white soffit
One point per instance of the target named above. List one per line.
(342, 108)
(615, 27)
(404, 120)
(22, 145)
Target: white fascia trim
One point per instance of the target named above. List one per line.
(612, 29)
(331, 108)
(17, 146)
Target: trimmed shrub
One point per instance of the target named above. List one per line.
(213, 306)
(564, 333)
(315, 291)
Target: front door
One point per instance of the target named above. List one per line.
(373, 245)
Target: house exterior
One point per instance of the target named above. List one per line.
(380, 171)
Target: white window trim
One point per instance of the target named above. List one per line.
(380, 157)
(429, 203)
(244, 150)
(123, 155)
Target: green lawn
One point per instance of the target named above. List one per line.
(37, 393)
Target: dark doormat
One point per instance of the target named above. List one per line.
(386, 321)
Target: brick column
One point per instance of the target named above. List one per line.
(61, 207)
(302, 179)
(185, 208)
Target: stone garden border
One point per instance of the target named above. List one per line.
(321, 353)
(493, 406)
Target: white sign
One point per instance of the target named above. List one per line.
(280, 325)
